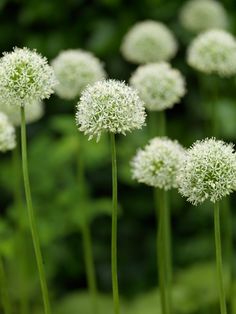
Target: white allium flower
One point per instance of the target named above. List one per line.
(25, 77)
(158, 163)
(201, 15)
(33, 112)
(208, 172)
(75, 69)
(7, 134)
(149, 41)
(159, 85)
(213, 52)
(109, 106)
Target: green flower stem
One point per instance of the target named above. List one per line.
(5, 299)
(229, 250)
(17, 181)
(168, 235)
(162, 123)
(86, 235)
(89, 264)
(115, 288)
(162, 242)
(33, 226)
(157, 123)
(219, 265)
(20, 245)
(214, 109)
(158, 128)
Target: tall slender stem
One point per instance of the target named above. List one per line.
(168, 245)
(86, 235)
(214, 110)
(5, 299)
(219, 265)
(89, 264)
(164, 276)
(228, 233)
(33, 226)
(115, 288)
(158, 120)
(157, 123)
(20, 245)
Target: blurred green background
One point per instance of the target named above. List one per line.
(98, 26)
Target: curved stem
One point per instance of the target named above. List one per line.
(4, 291)
(219, 265)
(164, 276)
(86, 235)
(33, 226)
(115, 288)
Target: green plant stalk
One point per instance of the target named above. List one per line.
(168, 246)
(214, 109)
(32, 221)
(115, 287)
(164, 277)
(219, 265)
(227, 216)
(20, 247)
(86, 235)
(158, 121)
(229, 250)
(157, 125)
(89, 265)
(4, 290)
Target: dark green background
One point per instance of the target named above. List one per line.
(98, 26)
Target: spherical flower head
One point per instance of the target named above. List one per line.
(159, 85)
(149, 41)
(208, 172)
(158, 163)
(25, 77)
(75, 69)
(213, 52)
(200, 15)
(7, 134)
(109, 106)
(33, 112)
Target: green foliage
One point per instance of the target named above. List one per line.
(55, 147)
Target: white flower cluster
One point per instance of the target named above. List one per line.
(75, 69)
(25, 77)
(7, 134)
(109, 106)
(214, 52)
(149, 41)
(200, 15)
(159, 85)
(33, 112)
(208, 172)
(158, 163)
